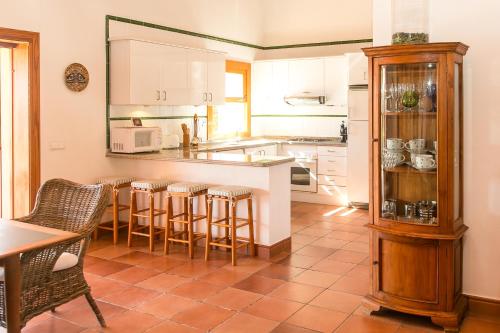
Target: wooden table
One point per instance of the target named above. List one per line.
(16, 238)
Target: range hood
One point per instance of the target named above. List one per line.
(304, 100)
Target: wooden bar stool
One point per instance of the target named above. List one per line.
(149, 187)
(186, 191)
(230, 195)
(114, 225)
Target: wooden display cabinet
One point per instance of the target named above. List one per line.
(416, 186)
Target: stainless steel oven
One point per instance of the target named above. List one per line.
(304, 175)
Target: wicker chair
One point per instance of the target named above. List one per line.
(53, 276)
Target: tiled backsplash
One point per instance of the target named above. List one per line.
(168, 118)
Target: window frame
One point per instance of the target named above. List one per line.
(236, 67)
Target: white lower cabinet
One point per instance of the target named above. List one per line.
(332, 173)
(271, 150)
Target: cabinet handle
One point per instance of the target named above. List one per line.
(364, 75)
(374, 140)
(157, 95)
(331, 161)
(210, 94)
(164, 95)
(375, 262)
(331, 170)
(204, 97)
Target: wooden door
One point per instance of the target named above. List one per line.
(406, 271)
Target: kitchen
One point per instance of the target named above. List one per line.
(302, 140)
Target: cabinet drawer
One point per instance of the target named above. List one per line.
(334, 166)
(339, 192)
(332, 180)
(332, 151)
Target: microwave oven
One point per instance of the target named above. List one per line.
(135, 139)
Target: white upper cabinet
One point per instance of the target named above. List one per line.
(358, 68)
(336, 76)
(145, 73)
(280, 81)
(306, 77)
(216, 78)
(262, 83)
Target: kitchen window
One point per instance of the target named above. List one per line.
(232, 120)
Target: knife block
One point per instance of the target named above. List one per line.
(185, 140)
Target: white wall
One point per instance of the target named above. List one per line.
(73, 31)
(299, 21)
(476, 25)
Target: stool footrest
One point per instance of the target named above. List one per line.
(224, 225)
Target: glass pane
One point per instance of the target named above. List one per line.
(234, 85)
(456, 151)
(229, 119)
(408, 136)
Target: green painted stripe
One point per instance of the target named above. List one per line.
(299, 115)
(231, 41)
(156, 117)
(338, 42)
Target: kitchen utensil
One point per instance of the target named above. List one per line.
(394, 144)
(185, 135)
(195, 140)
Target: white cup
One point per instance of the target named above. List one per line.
(415, 144)
(394, 144)
(424, 161)
(393, 158)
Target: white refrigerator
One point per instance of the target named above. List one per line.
(357, 146)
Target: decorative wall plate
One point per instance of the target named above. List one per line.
(76, 77)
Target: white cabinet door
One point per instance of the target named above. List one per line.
(262, 76)
(197, 76)
(216, 78)
(174, 76)
(306, 77)
(145, 74)
(279, 82)
(358, 68)
(358, 104)
(336, 75)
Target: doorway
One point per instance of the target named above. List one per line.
(19, 122)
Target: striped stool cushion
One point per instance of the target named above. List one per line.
(229, 190)
(186, 187)
(115, 180)
(151, 184)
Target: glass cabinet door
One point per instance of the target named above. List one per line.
(408, 145)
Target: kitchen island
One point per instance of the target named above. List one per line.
(268, 176)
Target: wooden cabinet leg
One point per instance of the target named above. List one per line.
(227, 222)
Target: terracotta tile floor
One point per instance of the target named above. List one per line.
(317, 288)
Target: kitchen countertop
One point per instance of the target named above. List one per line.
(187, 155)
(265, 141)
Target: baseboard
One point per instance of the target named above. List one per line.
(268, 251)
(482, 306)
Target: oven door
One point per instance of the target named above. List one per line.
(303, 176)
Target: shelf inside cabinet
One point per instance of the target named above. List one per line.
(409, 169)
(410, 113)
